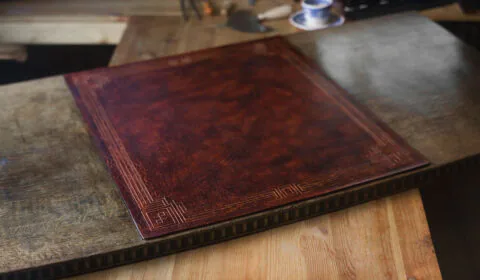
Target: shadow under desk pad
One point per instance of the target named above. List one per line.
(204, 147)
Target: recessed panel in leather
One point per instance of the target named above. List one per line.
(209, 136)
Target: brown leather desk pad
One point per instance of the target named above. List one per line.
(210, 136)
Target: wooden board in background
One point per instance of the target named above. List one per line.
(451, 12)
(90, 7)
(88, 22)
(62, 29)
(114, 7)
(149, 37)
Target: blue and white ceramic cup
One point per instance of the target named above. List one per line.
(317, 12)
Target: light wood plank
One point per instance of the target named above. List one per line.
(384, 239)
(451, 12)
(172, 35)
(105, 7)
(61, 29)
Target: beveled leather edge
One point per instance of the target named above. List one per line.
(246, 225)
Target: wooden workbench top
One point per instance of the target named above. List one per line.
(346, 244)
(61, 204)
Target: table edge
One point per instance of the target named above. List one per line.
(250, 224)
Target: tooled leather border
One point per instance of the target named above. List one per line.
(249, 224)
(133, 188)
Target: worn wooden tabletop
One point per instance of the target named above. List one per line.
(59, 203)
(387, 239)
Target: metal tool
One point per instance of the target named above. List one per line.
(247, 21)
(194, 7)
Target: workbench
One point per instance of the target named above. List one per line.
(388, 238)
(62, 205)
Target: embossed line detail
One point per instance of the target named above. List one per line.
(310, 209)
(351, 111)
(289, 190)
(171, 215)
(285, 192)
(170, 212)
(126, 167)
(158, 210)
(166, 212)
(383, 138)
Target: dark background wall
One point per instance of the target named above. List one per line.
(49, 60)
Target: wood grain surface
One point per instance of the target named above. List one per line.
(452, 12)
(115, 7)
(61, 204)
(90, 7)
(149, 37)
(91, 22)
(384, 239)
(61, 29)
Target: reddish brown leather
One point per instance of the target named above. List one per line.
(208, 136)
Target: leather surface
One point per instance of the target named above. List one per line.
(208, 136)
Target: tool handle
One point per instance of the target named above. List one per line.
(276, 13)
